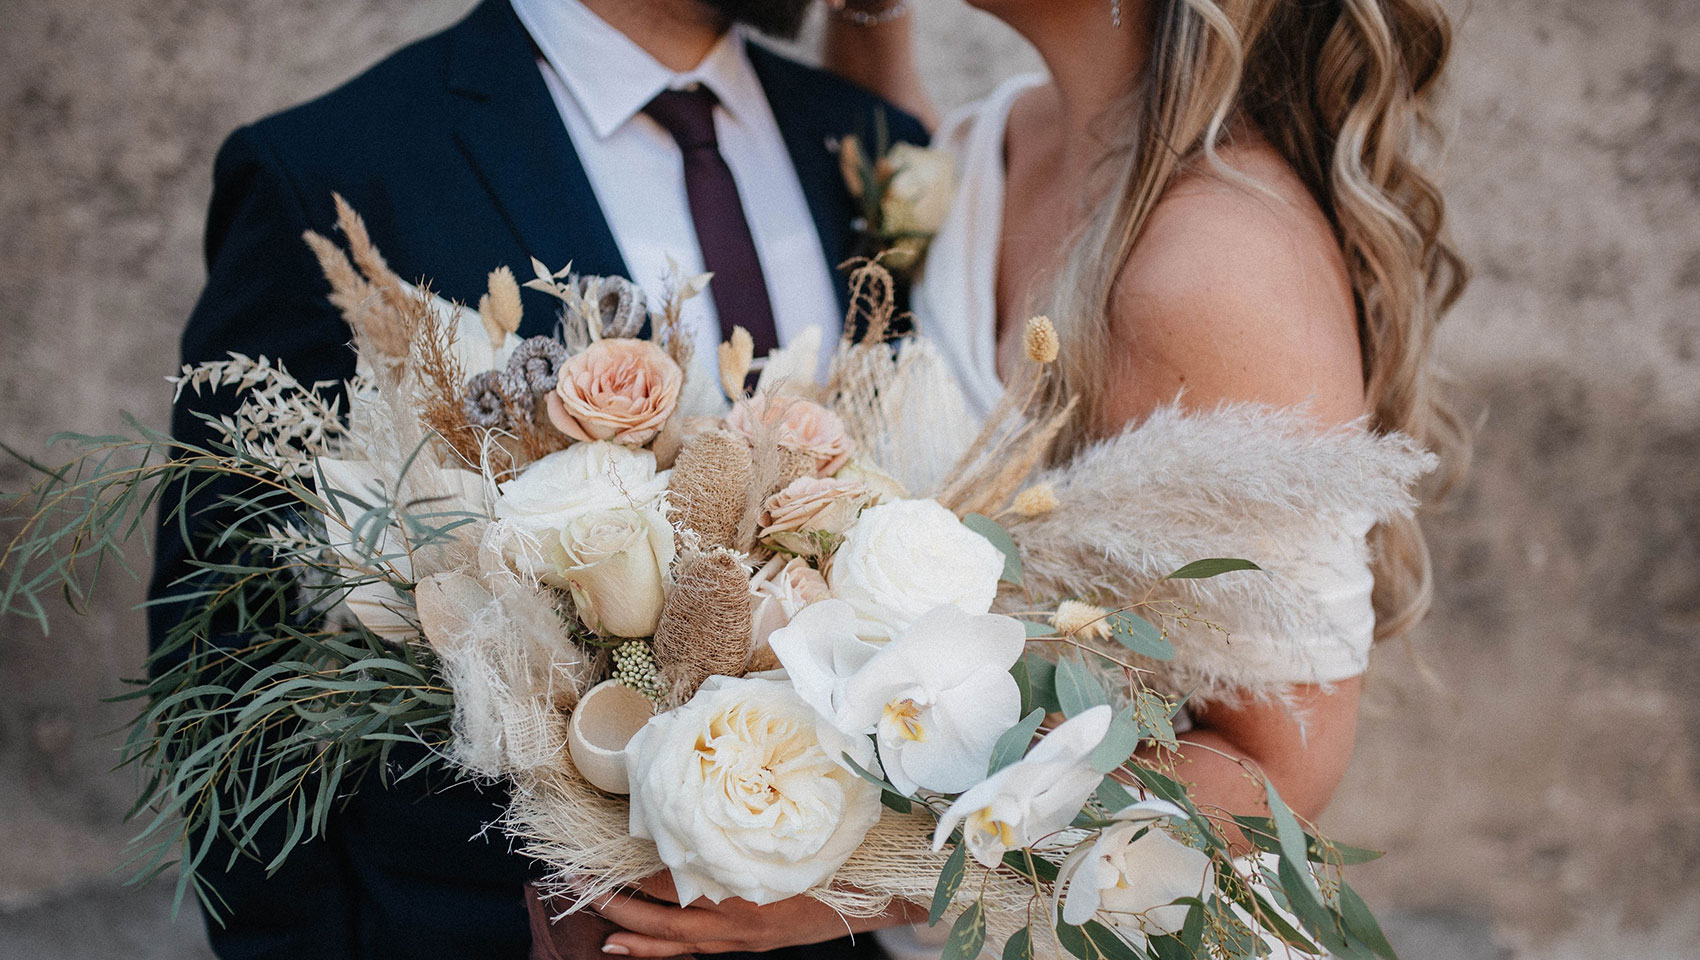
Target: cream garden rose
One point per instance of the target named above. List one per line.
(742, 796)
(621, 390)
(798, 423)
(615, 563)
(901, 559)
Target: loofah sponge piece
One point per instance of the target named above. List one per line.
(705, 625)
(711, 485)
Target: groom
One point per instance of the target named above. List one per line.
(609, 133)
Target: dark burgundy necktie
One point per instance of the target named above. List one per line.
(728, 249)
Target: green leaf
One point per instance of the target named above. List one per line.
(968, 935)
(1037, 629)
(1168, 947)
(1362, 923)
(895, 802)
(1078, 688)
(950, 880)
(1041, 690)
(992, 530)
(1192, 930)
(1141, 636)
(1094, 941)
(1212, 567)
(1013, 744)
(1019, 946)
(1027, 865)
(1118, 744)
(1113, 795)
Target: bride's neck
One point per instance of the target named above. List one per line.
(1092, 63)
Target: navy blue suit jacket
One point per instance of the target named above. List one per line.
(454, 153)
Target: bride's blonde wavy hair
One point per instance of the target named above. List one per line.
(1344, 89)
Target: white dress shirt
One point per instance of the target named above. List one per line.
(601, 81)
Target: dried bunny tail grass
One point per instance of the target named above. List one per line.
(705, 623)
(501, 308)
(710, 486)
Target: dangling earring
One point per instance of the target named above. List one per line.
(1115, 13)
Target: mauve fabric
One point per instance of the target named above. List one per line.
(455, 154)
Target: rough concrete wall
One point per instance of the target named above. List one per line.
(1538, 799)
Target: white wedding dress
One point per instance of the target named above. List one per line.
(954, 301)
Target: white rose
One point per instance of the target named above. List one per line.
(554, 490)
(923, 184)
(615, 562)
(901, 559)
(743, 793)
(1134, 878)
(1033, 797)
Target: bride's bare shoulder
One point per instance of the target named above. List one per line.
(1238, 290)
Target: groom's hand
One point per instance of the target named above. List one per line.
(656, 926)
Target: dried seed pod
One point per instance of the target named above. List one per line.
(705, 624)
(710, 487)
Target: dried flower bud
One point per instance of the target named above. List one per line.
(535, 365)
(1082, 620)
(1035, 501)
(487, 400)
(736, 355)
(1040, 340)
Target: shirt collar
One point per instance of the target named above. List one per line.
(612, 78)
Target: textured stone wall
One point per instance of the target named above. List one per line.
(1529, 762)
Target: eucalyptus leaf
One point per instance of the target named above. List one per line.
(1361, 923)
(1041, 683)
(1141, 636)
(1119, 742)
(968, 935)
(993, 531)
(950, 880)
(1019, 946)
(1211, 567)
(1036, 629)
(1078, 688)
(1014, 742)
(1113, 795)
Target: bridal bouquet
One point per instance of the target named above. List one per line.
(833, 641)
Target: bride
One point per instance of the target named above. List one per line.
(1215, 201)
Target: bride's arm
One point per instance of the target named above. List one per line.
(1229, 296)
(871, 43)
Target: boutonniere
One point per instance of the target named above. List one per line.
(904, 192)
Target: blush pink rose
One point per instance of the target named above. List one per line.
(795, 422)
(780, 589)
(811, 505)
(620, 390)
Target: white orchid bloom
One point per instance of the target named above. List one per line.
(820, 651)
(1033, 797)
(1134, 878)
(938, 697)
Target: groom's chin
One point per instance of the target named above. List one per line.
(776, 18)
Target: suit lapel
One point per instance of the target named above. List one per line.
(511, 132)
(811, 130)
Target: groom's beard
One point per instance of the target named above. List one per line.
(776, 18)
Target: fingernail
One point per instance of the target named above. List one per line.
(615, 949)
